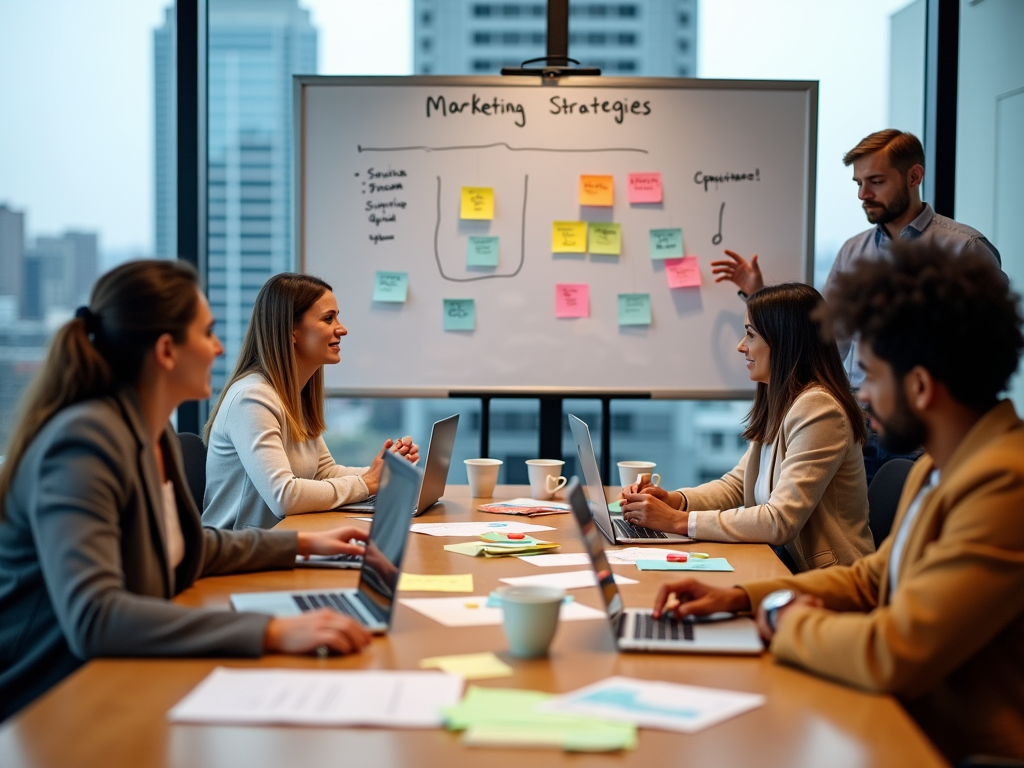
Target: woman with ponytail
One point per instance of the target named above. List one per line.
(98, 529)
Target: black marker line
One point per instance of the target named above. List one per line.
(509, 147)
(717, 239)
(522, 241)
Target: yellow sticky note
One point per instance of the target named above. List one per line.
(439, 582)
(477, 203)
(469, 666)
(569, 237)
(597, 190)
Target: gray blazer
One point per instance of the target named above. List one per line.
(83, 569)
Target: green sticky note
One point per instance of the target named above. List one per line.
(391, 286)
(482, 252)
(459, 315)
(634, 309)
(666, 243)
(605, 239)
(708, 564)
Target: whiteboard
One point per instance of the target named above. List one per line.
(380, 167)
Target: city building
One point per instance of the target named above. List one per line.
(12, 257)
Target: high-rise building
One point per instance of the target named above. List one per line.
(165, 144)
(638, 38)
(12, 256)
(58, 273)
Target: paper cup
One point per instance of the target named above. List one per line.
(628, 470)
(530, 618)
(483, 474)
(545, 477)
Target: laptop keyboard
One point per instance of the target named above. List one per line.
(629, 531)
(646, 627)
(337, 601)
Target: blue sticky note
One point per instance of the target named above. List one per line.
(666, 243)
(634, 309)
(459, 315)
(708, 564)
(391, 286)
(482, 252)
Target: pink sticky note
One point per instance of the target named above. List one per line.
(645, 187)
(682, 273)
(572, 300)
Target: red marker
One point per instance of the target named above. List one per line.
(677, 557)
(517, 536)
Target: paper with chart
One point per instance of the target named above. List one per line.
(473, 611)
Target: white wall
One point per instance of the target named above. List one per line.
(906, 68)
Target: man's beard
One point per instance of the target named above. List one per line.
(903, 432)
(893, 210)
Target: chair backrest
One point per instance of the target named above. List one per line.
(193, 453)
(884, 496)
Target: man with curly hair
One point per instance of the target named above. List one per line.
(936, 615)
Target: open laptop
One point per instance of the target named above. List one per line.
(435, 469)
(636, 629)
(614, 528)
(372, 601)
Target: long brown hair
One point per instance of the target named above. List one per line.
(268, 349)
(105, 345)
(799, 356)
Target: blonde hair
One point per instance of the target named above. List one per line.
(104, 346)
(268, 349)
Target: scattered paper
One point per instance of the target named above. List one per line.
(574, 558)
(597, 190)
(645, 188)
(572, 300)
(459, 315)
(668, 706)
(482, 252)
(710, 564)
(302, 697)
(682, 273)
(501, 548)
(473, 611)
(477, 203)
(634, 309)
(391, 286)
(435, 582)
(475, 529)
(569, 237)
(632, 554)
(666, 243)
(525, 508)
(565, 580)
(604, 239)
(469, 666)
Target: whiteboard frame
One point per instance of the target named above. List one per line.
(301, 82)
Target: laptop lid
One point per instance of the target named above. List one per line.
(595, 487)
(439, 458)
(595, 550)
(389, 531)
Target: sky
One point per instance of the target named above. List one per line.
(76, 101)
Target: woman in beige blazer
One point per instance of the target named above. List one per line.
(800, 486)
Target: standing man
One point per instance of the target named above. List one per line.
(936, 615)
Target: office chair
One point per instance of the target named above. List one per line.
(884, 496)
(193, 454)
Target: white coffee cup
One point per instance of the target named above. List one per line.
(483, 474)
(530, 618)
(545, 477)
(628, 471)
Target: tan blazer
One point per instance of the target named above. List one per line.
(950, 640)
(818, 503)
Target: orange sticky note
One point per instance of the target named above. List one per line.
(645, 187)
(477, 203)
(683, 273)
(597, 190)
(572, 300)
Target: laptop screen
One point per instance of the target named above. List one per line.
(439, 458)
(594, 543)
(588, 463)
(382, 561)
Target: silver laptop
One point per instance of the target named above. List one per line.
(614, 528)
(435, 469)
(636, 629)
(372, 601)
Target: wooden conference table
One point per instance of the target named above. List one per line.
(112, 713)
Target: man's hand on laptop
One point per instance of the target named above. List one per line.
(347, 540)
(653, 509)
(690, 597)
(766, 630)
(312, 631)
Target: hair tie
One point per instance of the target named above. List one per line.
(86, 316)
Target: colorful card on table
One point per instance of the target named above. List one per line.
(569, 237)
(645, 188)
(667, 243)
(459, 315)
(572, 300)
(597, 190)
(696, 564)
(477, 203)
(682, 273)
(604, 238)
(391, 287)
(634, 309)
(435, 582)
(469, 666)
(482, 252)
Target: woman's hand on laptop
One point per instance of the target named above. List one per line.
(404, 446)
(690, 597)
(339, 541)
(314, 630)
(653, 509)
